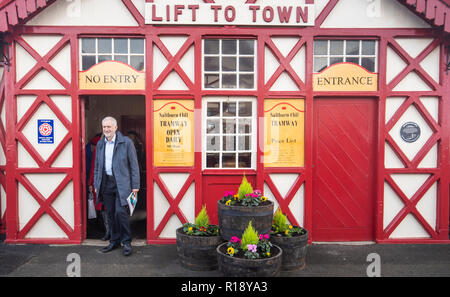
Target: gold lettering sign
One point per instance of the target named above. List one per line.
(173, 139)
(284, 132)
(345, 77)
(111, 75)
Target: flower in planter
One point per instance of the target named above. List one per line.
(201, 227)
(245, 196)
(280, 226)
(251, 246)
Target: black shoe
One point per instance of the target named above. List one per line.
(127, 249)
(106, 237)
(109, 248)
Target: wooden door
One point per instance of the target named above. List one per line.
(344, 169)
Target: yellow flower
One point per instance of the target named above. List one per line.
(268, 254)
(263, 198)
(230, 251)
(236, 196)
(228, 202)
(286, 232)
(189, 229)
(290, 227)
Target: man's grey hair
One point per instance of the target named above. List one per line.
(108, 118)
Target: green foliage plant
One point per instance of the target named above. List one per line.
(250, 236)
(202, 219)
(201, 227)
(244, 189)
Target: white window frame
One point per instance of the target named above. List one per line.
(345, 56)
(253, 134)
(112, 54)
(237, 72)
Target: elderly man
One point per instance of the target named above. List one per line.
(116, 175)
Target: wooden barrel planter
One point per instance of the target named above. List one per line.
(197, 252)
(242, 267)
(294, 250)
(234, 219)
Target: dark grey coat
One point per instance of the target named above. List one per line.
(124, 167)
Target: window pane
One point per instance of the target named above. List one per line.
(245, 125)
(137, 46)
(336, 47)
(246, 81)
(229, 143)
(352, 59)
(228, 47)
(211, 63)
(245, 160)
(320, 47)
(229, 161)
(228, 63)
(211, 81)
(368, 47)
(245, 143)
(229, 81)
(88, 62)
(105, 45)
(334, 60)
(213, 109)
(352, 47)
(212, 160)
(88, 45)
(246, 47)
(320, 64)
(211, 46)
(229, 109)
(137, 62)
(213, 126)
(121, 46)
(245, 109)
(245, 64)
(104, 58)
(229, 126)
(121, 58)
(212, 143)
(368, 63)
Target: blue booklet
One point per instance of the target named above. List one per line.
(132, 200)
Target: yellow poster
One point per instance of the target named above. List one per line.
(284, 132)
(111, 75)
(173, 139)
(345, 77)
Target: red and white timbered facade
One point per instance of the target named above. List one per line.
(362, 174)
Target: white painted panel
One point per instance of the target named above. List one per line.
(46, 227)
(268, 193)
(187, 204)
(410, 149)
(84, 13)
(427, 206)
(24, 103)
(173, 43)
(30, 131)
(285, 44)
(187, 63)
(24, 62)
(160, 205)
(62, 63)
(271, 64)
(64, 103)
(409, 183)
(409, 228)
(42, 44)
(45, 183)
(373, 14)
(43, 81)
(431, 64)
(411, 82)
(283, 182)
(430, 159)
(173, 82)
(27, 206)
(172, 225)
(2, 157)
(284, 83)
(432, 106)
(174, 181)
(2, 201)
(298, 63)
(392, 204)
(159, 62)
(394, 64)
(64, 205)
(140, 6)
(392, 105)
(24, 159)
(65, 158)
(390, 158)
(297, 205)
(414, 46)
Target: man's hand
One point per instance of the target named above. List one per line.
(135, 191)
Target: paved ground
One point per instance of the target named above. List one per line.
(323, 260)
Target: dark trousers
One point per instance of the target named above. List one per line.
(117, 214)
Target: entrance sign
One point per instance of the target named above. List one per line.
(345, 77)
(112, 75)
(284, 132)
(173, 140)
(45, 131)
(261, 13)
